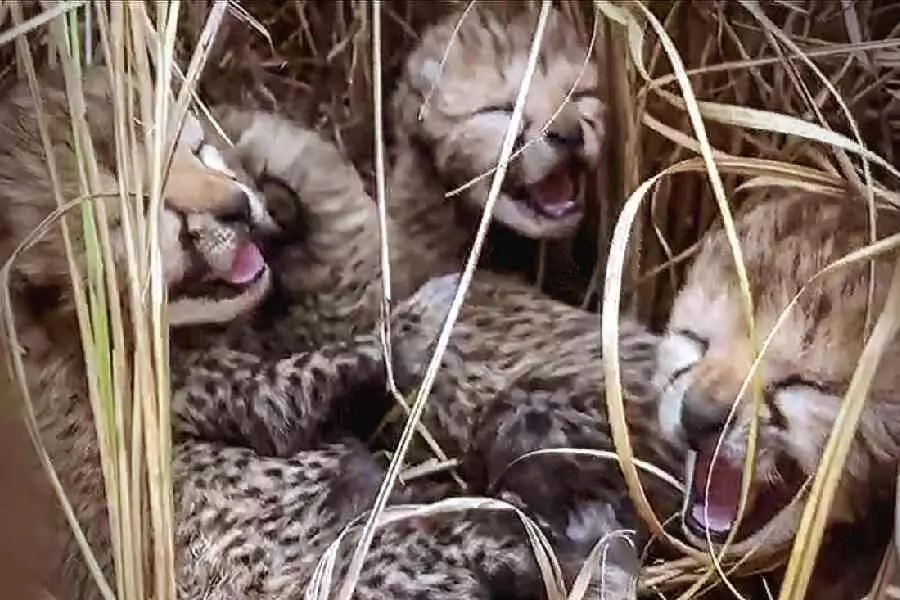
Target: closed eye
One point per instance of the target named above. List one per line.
(793, 381)
(697, 343)
(211, 158)
(506, 111)
(502, 108)
(587, 93)
(698, 339)
(679, 372)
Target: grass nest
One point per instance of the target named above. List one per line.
(756, 73)
(810, 87)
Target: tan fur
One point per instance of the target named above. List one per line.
(329, 271)
(808, 365)
(336, 272)
(28, 192)
(283, 406)
(192, 187)
(42, 299)
(254, 508)
(506, 329)
(284, 402)
(450, 114)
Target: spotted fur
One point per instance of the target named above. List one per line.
(328, 285)
(256, 527)
(281, 409)
(254, 506)
(281, 403)
(500, 394)
(198, 232)
(523, 372)
(456, 138)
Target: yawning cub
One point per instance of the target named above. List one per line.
(706, 355)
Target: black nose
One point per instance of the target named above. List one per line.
(571, 138)
(238, 210)
(702, 418)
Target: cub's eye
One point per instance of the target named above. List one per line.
(495, 108)
(585, 93)
(693, 338)
(211, 158)
(687, 348)
(239, 216)
(798, 381)
(497, 117)
(786, 392)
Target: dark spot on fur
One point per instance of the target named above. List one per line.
(538, 424)
(273, 472)
(376, 579)
(358, 482)
(210, 388)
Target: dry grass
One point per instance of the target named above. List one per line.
(711, 103)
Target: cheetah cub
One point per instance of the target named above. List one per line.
(325, 266)
(212, 229)
(247, 526)
(706, 354)
(450, 111)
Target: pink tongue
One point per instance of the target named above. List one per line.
(553, 195)
(248, 263)
(718, 511)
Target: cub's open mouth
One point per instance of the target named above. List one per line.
(245, 269)
(219, 295)
(554, 197)
(247, 266)
(717, 511)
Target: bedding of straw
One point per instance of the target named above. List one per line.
(714, 102)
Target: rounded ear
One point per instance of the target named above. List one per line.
(284, 204)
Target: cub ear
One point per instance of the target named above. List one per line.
(284, 204)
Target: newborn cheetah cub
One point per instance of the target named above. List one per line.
(247, 526)
(706, 355)
(451, 109)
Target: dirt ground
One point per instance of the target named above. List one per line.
(26, 507)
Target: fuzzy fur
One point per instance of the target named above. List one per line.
(287, 405)
(706, 354)
(251, 518)
(290, 490)
(506, 330)
(326, 268)
(524, 372)
(450, 111)
(279, 403)
(331, 280)
(198, 235)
